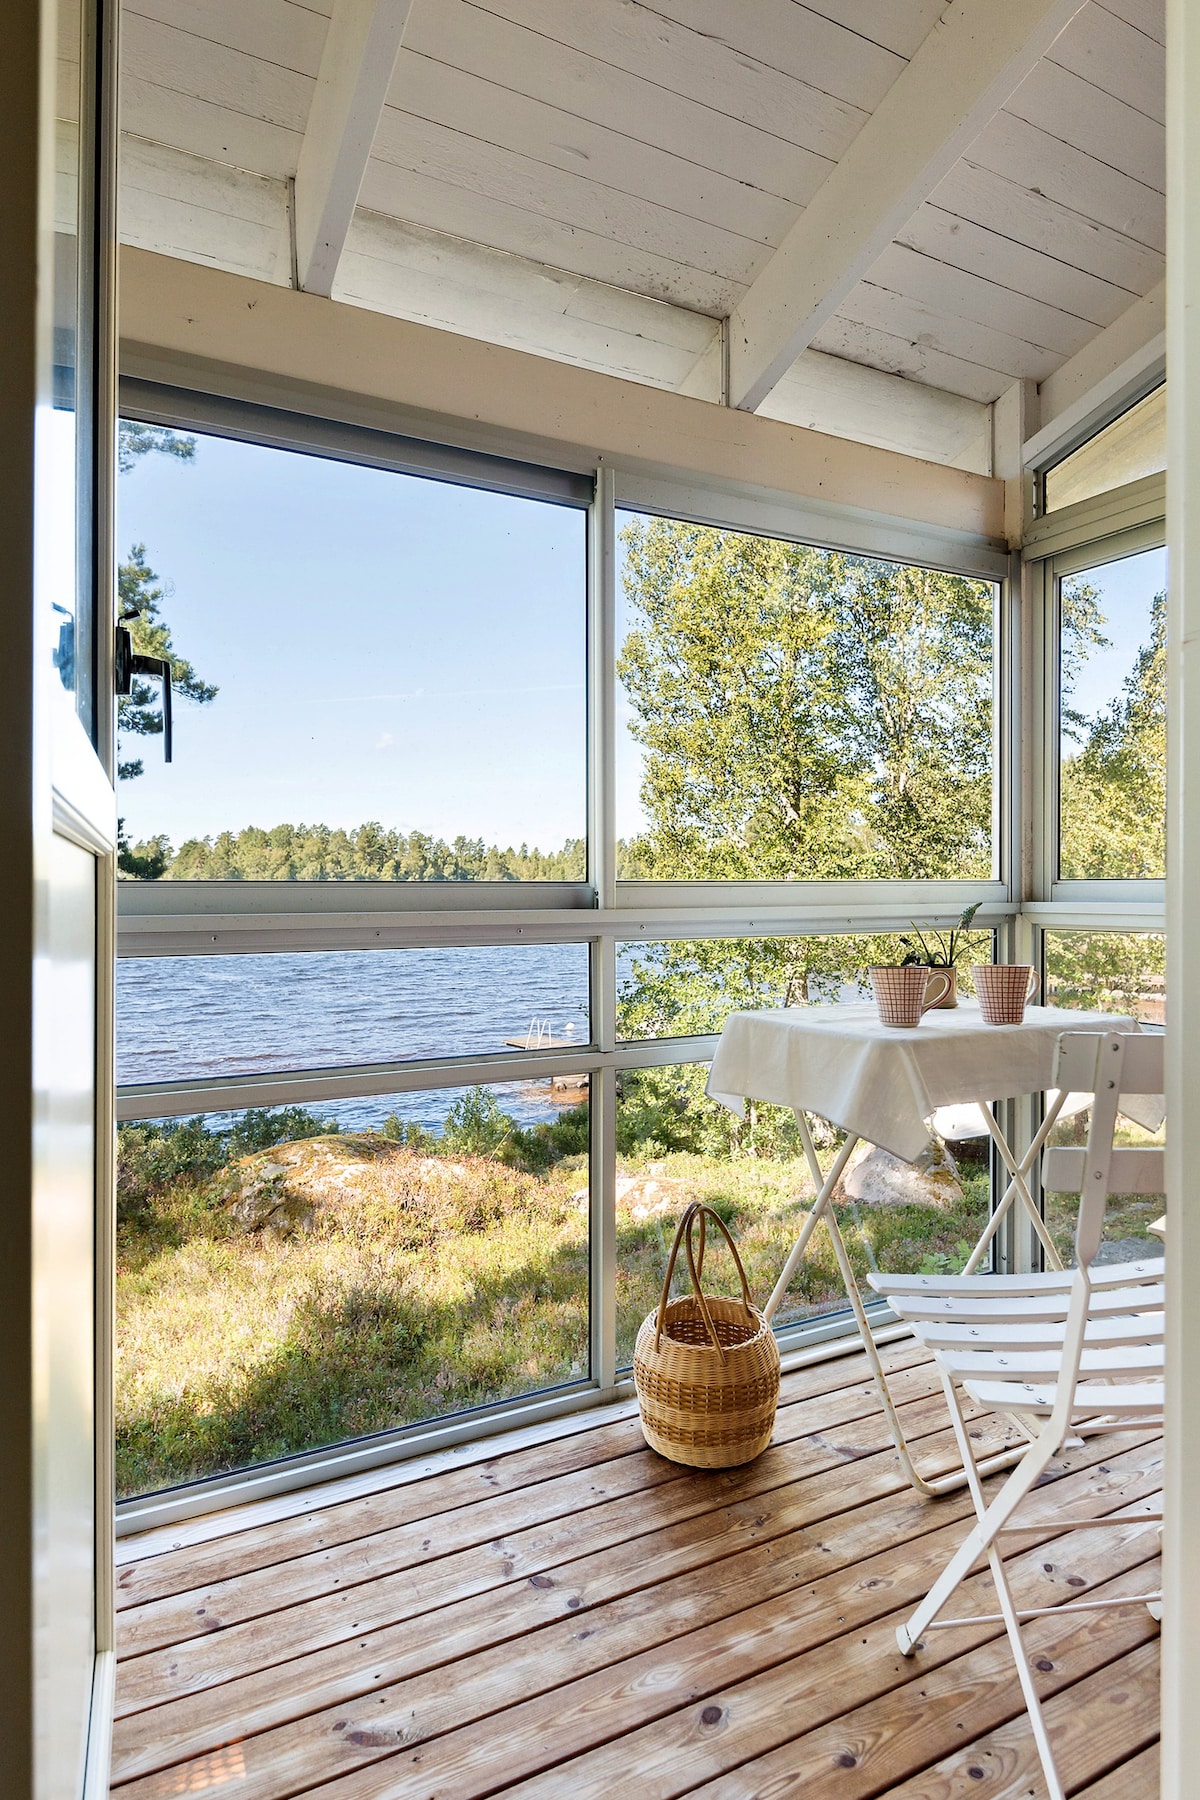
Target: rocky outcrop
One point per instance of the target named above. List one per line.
(877, 1178)
(281, 1190)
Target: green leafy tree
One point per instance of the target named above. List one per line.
(1114, 789)
(803, 714)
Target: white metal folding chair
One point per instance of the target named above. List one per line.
(1067, 1354)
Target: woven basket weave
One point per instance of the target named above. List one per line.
(706, 1370)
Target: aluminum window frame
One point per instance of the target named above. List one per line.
(226, 918)
(1092, 547)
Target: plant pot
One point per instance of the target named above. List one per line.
(951, 998)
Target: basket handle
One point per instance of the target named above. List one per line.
(698, 1211)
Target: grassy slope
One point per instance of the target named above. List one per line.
(428, 1283)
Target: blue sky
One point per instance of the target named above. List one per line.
(385, 647)
(1127, 588)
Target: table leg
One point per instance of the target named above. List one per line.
(1018, 1187)
(822, 1208)
(824, 1185)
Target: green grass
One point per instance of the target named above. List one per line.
(417, 1278)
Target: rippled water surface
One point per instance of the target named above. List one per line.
(185, 1017)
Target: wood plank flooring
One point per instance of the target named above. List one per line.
(577, 1617)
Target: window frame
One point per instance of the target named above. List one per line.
(1093, 547)
(220, 918)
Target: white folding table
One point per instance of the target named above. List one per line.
(886, 1084)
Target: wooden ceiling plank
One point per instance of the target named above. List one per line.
(841, 336)
(200, 211)
(200, 128)
(204, 70)
(788, 36)
(1149, 16)
(1062, 103)
(500, 225)
(849, 399)
(1117, 58)
(963, 244)
(1034, 159)
(496, 117)
(360, 54)
(976, 300)
(274, 31)
(900, 28)
(569, 198)
(422, 275)
(981, 345)
(525, 61)
(1015, 211)
(642, 42)
(974, 58)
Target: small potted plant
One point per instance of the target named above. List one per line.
(940, 950)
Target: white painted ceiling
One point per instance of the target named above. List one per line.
(600, 181)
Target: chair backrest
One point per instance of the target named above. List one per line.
(1106, 1064)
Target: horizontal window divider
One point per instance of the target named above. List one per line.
(288, 1087)
(678, 911)
(1086, 522)
(1084, 914)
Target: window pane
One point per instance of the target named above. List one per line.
(1107, 971)
(674, 1146)
(1112, 725)
(789, 713)
(686, 989)
(1132, 446)
(285, 1281)
(381, 677)
(179, 1018)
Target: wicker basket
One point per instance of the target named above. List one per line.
(706, 1370)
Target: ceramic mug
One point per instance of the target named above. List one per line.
(1004, 990)
(903, 994)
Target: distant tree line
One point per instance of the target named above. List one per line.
(364, 853)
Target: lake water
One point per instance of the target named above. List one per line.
(179, 1018)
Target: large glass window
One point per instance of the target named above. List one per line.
(1112, 719)
(381, 676)
(790, 713)
(290, 1279)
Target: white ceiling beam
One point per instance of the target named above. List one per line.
(974, 58)
(356, 71)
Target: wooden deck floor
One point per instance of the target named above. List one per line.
(578, 1618)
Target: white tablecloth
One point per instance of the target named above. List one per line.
(882, 1082)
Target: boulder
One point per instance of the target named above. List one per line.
(281, 1190)
(877, 1178)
